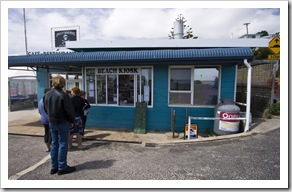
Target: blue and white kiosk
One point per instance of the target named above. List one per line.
(168, 75)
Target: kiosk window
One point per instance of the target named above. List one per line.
(73, 79)
(180, 86)
(206, 85)
(194, 85)
(123, 86)
(90, 85)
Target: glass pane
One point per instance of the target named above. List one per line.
(112, 89)
(71, 84)
(72, 76)
(180, 79)
(146, 82)
(90, 83)
(101, 89)
(139, 98)
(206, 86)
(180, 98)
(126, 90)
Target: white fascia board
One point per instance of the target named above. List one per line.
(166, 43)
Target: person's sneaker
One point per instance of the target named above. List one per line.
(53, 171)
(67, 170)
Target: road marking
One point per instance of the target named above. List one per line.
(21, 173)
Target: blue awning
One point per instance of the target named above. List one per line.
(132, 56)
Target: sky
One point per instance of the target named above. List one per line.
(134, 23)
(124, 23)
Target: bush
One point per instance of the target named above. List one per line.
(275, 108)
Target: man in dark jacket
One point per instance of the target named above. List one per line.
(60, 112)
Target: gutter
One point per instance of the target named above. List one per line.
(248, 95)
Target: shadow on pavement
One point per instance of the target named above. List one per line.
(99, 164)
(99, 136)
(256, 122)
(34, 124)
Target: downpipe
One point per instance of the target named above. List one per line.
(248, 95)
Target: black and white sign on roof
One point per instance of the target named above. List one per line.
(63, 34)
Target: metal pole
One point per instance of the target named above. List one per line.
(189, 128)
(25, 39)
(248, 95)
(246, 24)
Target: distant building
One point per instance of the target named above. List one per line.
(250, 36)
(22, 92)
(258, 36)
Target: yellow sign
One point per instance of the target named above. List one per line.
(274, 44)
(274, 57)
(193, 131)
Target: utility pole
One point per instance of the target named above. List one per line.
(246, 24)
(25, 39)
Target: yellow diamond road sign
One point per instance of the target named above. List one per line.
(274, 44)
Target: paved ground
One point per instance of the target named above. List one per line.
(27, 122)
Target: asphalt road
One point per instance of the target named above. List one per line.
(250, 158)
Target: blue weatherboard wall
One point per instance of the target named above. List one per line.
(227, 81)
(42, 81)
(159, 117)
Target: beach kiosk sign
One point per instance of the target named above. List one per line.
(274, 45)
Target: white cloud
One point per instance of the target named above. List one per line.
(137, 23)
(133, 23)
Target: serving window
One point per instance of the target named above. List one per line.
(73, 79)
(194, 85)
(119, 86)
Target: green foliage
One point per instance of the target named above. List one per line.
(263, 33)
(262, 53)
(275, 108)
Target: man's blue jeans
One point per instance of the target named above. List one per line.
(59, 146)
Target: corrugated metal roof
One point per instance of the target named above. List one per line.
(131, 56)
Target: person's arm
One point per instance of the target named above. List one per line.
(87, 105)
(68, 108)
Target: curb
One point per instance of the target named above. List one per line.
(154, 144)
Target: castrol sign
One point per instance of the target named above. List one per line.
(229, 125)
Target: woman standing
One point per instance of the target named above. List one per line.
(78, 129)
(86, 107)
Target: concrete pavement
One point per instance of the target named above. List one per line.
(27, 122)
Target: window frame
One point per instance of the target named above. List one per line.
(135, 78)
(180, 91)
(68, 80)
(192, 67)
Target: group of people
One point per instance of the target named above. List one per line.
(63, 116)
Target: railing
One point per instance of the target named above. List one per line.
(208, 118)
